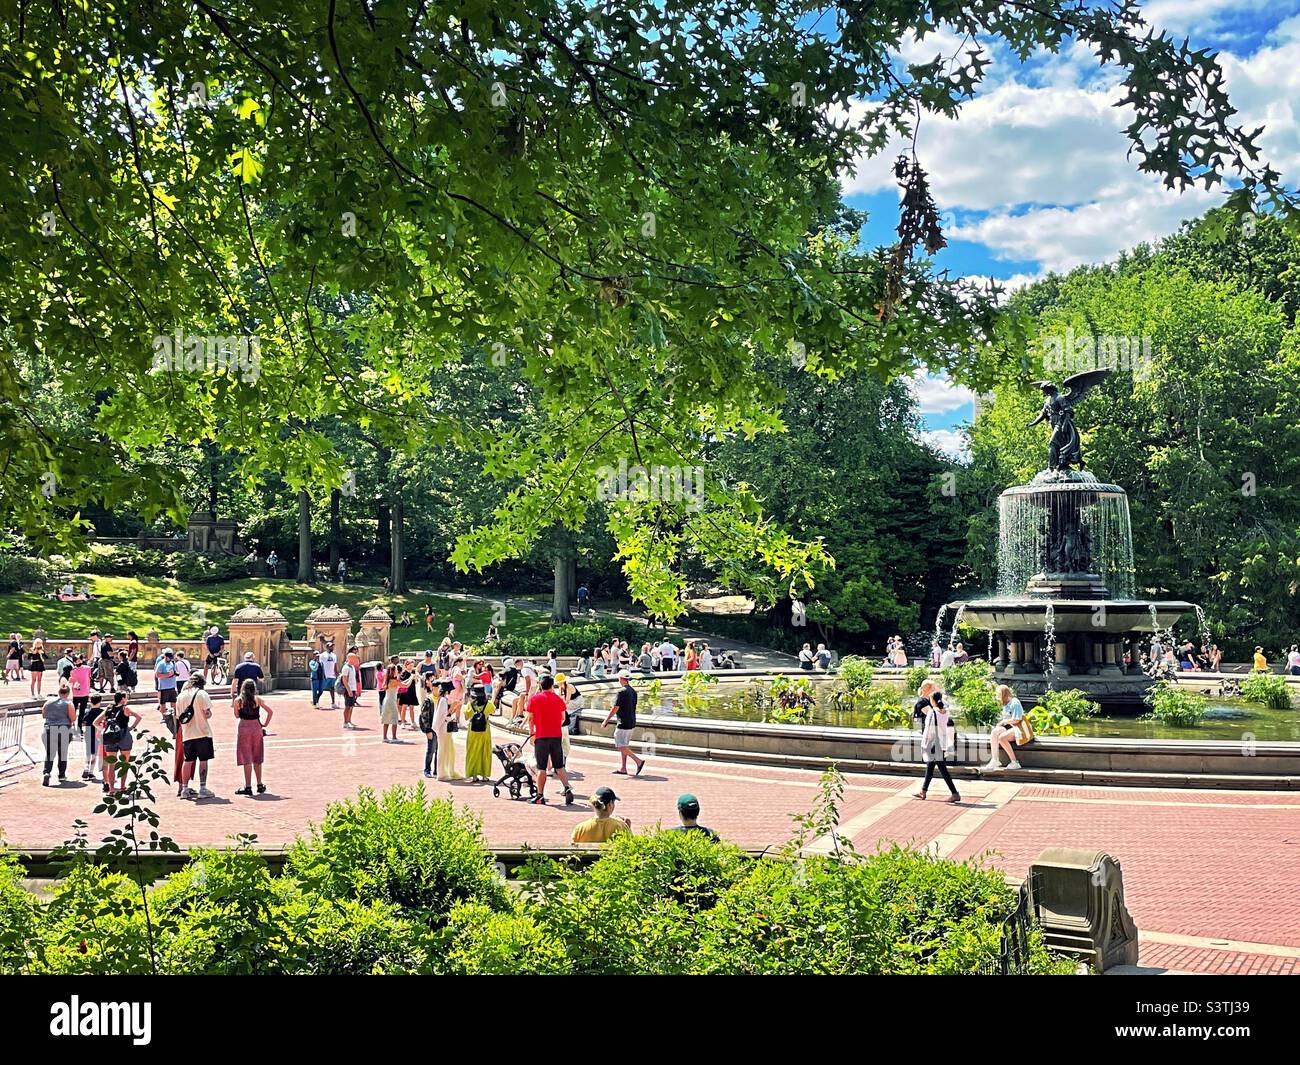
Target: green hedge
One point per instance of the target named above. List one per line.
(394, 883)
(126, 560)
(570, 639)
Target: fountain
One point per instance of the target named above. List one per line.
(1065, 572)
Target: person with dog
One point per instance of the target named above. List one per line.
(624, 708)
(604, 826)
(545, 712)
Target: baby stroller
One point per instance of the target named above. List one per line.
(517, 773)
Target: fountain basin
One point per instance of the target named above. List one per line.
(1005, 613)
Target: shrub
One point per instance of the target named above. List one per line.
(914, 677)
(399, 848)
(480, 941)
(1268, 688)
(570, 639)
(856, 673)
(19, 920)
(954, 677)
(21, 574)
(1174, 706)
(634, 909)
(1057, 711)
(207, 569)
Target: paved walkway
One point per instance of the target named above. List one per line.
(1212, 877)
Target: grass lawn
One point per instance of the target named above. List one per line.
(180, 611)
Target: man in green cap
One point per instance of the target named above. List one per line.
(688, 809)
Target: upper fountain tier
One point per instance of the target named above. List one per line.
(1065, 535)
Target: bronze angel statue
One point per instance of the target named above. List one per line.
(1064, 450)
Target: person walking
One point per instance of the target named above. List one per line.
(14, 657)
(164, 679)
(603, 826)
(445, 726)
(428, 618)
(349, 686)
(389, 714)
(250, 747)
(317, 680)
(58, 715)
(584, 598)
(194, 719)
(36, 666)
(329, 667)
(936, 745)
(1293, 661)
(545, 712)
(116, 740)
(624, 708)
(127, 678)
(87, 712)
(428, 709)
(478, 736)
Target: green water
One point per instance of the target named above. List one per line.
(1227, 719)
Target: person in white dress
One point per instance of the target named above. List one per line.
(443, 715)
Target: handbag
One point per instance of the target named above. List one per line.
(453, 725)
(1024, 731)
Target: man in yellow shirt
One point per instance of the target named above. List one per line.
(1261, 663)
(604, 826)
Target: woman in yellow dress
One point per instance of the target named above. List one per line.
(478, 736)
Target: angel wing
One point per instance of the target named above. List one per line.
(1079, 385)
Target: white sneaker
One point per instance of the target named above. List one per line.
(204, 793)
(992, 764)
(188, 793)
(1013, 765)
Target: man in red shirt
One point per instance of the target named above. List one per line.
(546, 722)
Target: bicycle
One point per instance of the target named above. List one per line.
(220, 671)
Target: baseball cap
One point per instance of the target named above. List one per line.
(688, 804)
(625, 674)
(605, 795)
(168, 651)
(248, 656)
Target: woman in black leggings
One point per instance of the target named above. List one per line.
(934, 744)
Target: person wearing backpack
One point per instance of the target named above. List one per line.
(115, 725)
(194, 732)
(478, 738)
(431, 690)
(938, 744)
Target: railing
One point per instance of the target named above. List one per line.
(1014, 947)
(11, 737)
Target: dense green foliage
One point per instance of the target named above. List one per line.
(1267, 688)
(513, 242)
(396, 884)
(1176, 706)
(1058, 709)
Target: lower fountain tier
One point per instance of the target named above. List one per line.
(1110, 616)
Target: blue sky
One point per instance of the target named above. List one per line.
(1033, 175)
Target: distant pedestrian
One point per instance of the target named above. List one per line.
(115, 726)
(194, 717)
(250, 745)
(624, 708)
(938, 743)
(59, 716)
(545, 712)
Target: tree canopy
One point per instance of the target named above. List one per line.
(626, 209)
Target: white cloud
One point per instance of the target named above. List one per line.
(950, 442)
(938, 395)
(1037, 164)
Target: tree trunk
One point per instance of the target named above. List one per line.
(397, 568)
(560, 612)
(336, 531)
(384, 544)
(304, 537)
